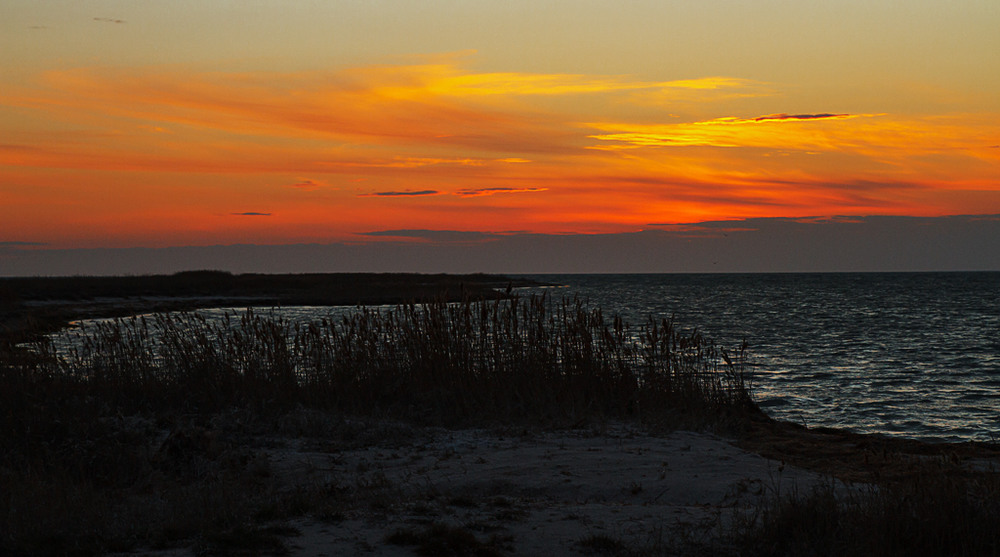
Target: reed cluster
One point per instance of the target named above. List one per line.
(557, 362)
(941, 509)
(138, 432)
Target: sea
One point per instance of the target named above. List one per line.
(906, 354)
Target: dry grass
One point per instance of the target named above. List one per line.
(943, 512)
(886, 496)
(141, 436)
(442, 540)
(138, 436)
(527, 359)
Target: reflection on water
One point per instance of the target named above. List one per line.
(916, 354)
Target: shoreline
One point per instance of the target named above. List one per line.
(386, 487)
(401, 488)
(36, 314)
(41, 305)
(517, 491)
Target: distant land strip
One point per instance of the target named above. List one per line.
(33, 305)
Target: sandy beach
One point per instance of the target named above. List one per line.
(263, 476)
(543, 494)
(402, 490)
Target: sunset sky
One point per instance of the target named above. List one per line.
(376, 123)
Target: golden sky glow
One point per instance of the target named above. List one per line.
(127, 124)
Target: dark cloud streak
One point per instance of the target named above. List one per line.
(448, 236)
(783, 116)
(306, 185)
(805, 244)
(18, 244)
(400, 193)
(17, 147)
(490, 191)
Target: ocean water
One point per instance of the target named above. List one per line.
(910, 354)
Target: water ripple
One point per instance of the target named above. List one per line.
(914, 354)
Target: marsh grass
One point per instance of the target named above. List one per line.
(135, 436)
(439, 539)
(530, 359)
(140, 434)
(939, 510)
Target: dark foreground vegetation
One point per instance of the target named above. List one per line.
(143, 435)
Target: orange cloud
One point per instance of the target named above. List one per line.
(451, 82)
(163, 152)
(388, 105)
(802, 131)
(307, 184)
(866, 134)
(494, 191)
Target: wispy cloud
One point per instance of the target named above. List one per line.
(443, 236)
(251, 214)
(811, 131)
(307, 184)
(10, 250)
(493, 191)
(702, 230)
(19, 244)
(109, 20)
(823, 116)
(451, 81)
(835, 219)
(432, 104)
(605, 158)
(409, 162)
(15, 147)
(376, 105)
(399, 193)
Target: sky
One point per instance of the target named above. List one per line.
(529, 136)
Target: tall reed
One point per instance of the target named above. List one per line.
(531, 358)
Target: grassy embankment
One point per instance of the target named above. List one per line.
(138, 438)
